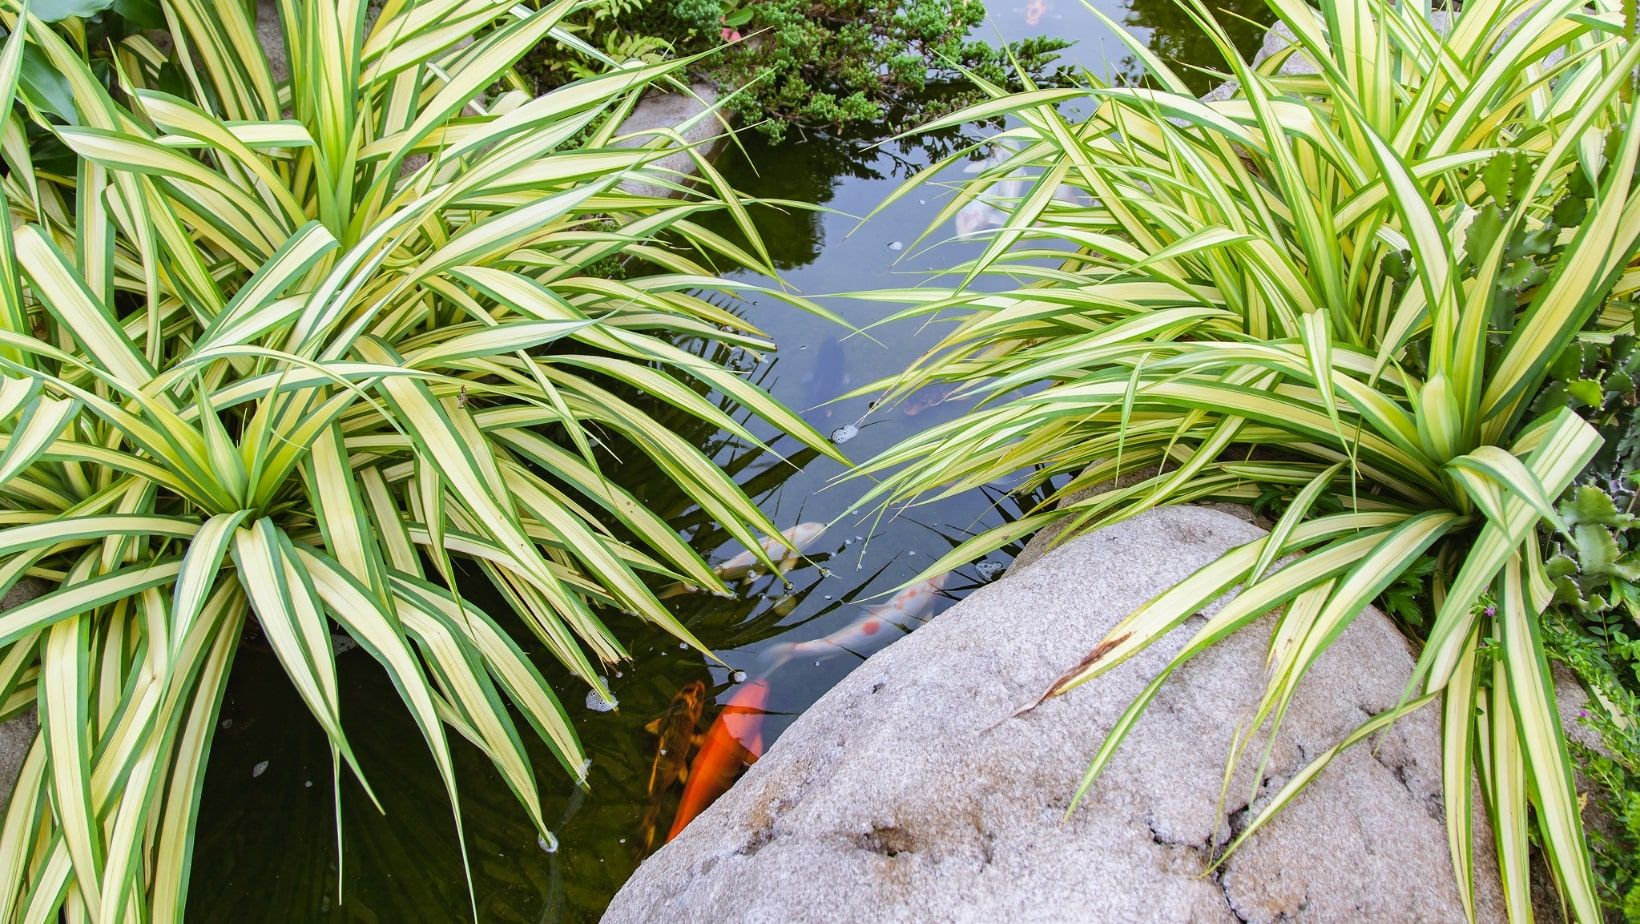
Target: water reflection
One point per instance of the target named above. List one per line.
(1190, 53)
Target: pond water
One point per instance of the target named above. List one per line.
(267, 842)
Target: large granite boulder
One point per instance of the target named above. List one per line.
(911, 792)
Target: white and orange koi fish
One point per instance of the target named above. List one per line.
(801, 537)
(905, 611)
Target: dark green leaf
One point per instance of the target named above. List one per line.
(143, 14)
(44, 88)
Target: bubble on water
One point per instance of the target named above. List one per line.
(623, 840)
(849, 541)
(910, 551)
(738, 676)
(844, 433)
(617, 675)
(227, 723)
(307, 784)
(585, 766)
(817, 664)
(596, 701)
(828, 596)
(547, 842)
(260, 768)
(663, 752)
(803, 347)
(859, 538)
(683, 645)
(897, 246)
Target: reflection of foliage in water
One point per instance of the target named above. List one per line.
(811, 172)
(836, 65)
(1175, 38)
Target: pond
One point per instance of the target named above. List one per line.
(267, 843)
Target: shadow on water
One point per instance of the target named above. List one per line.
(267, 846)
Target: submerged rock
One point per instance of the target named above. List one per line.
(910, 792)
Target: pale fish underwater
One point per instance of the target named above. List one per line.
(904, 611)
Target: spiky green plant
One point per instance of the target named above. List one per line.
(1343, 290)
(284, 351)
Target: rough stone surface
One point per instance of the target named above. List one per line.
(1048, 537)
(911, 792)
(272, 38)
(17, 734)
(692, 117)
(1276, 40)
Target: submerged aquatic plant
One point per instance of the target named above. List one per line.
(288, 351)
(1343, 289)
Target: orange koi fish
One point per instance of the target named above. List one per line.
(677, 730)
(734, 742)
(904, 611)
(1034, 11)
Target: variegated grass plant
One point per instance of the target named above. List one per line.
(283, 352)
(1342, 289)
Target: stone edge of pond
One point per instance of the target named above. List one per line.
(705, 130)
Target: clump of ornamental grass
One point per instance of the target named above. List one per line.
(298, 353)
(1342, 290)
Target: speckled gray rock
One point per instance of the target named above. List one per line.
(691, 115)
(1047, 538)
(17, 734)
(272, 38)
(1277, 39)
(909, 792)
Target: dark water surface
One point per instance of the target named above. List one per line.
(267, 841)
